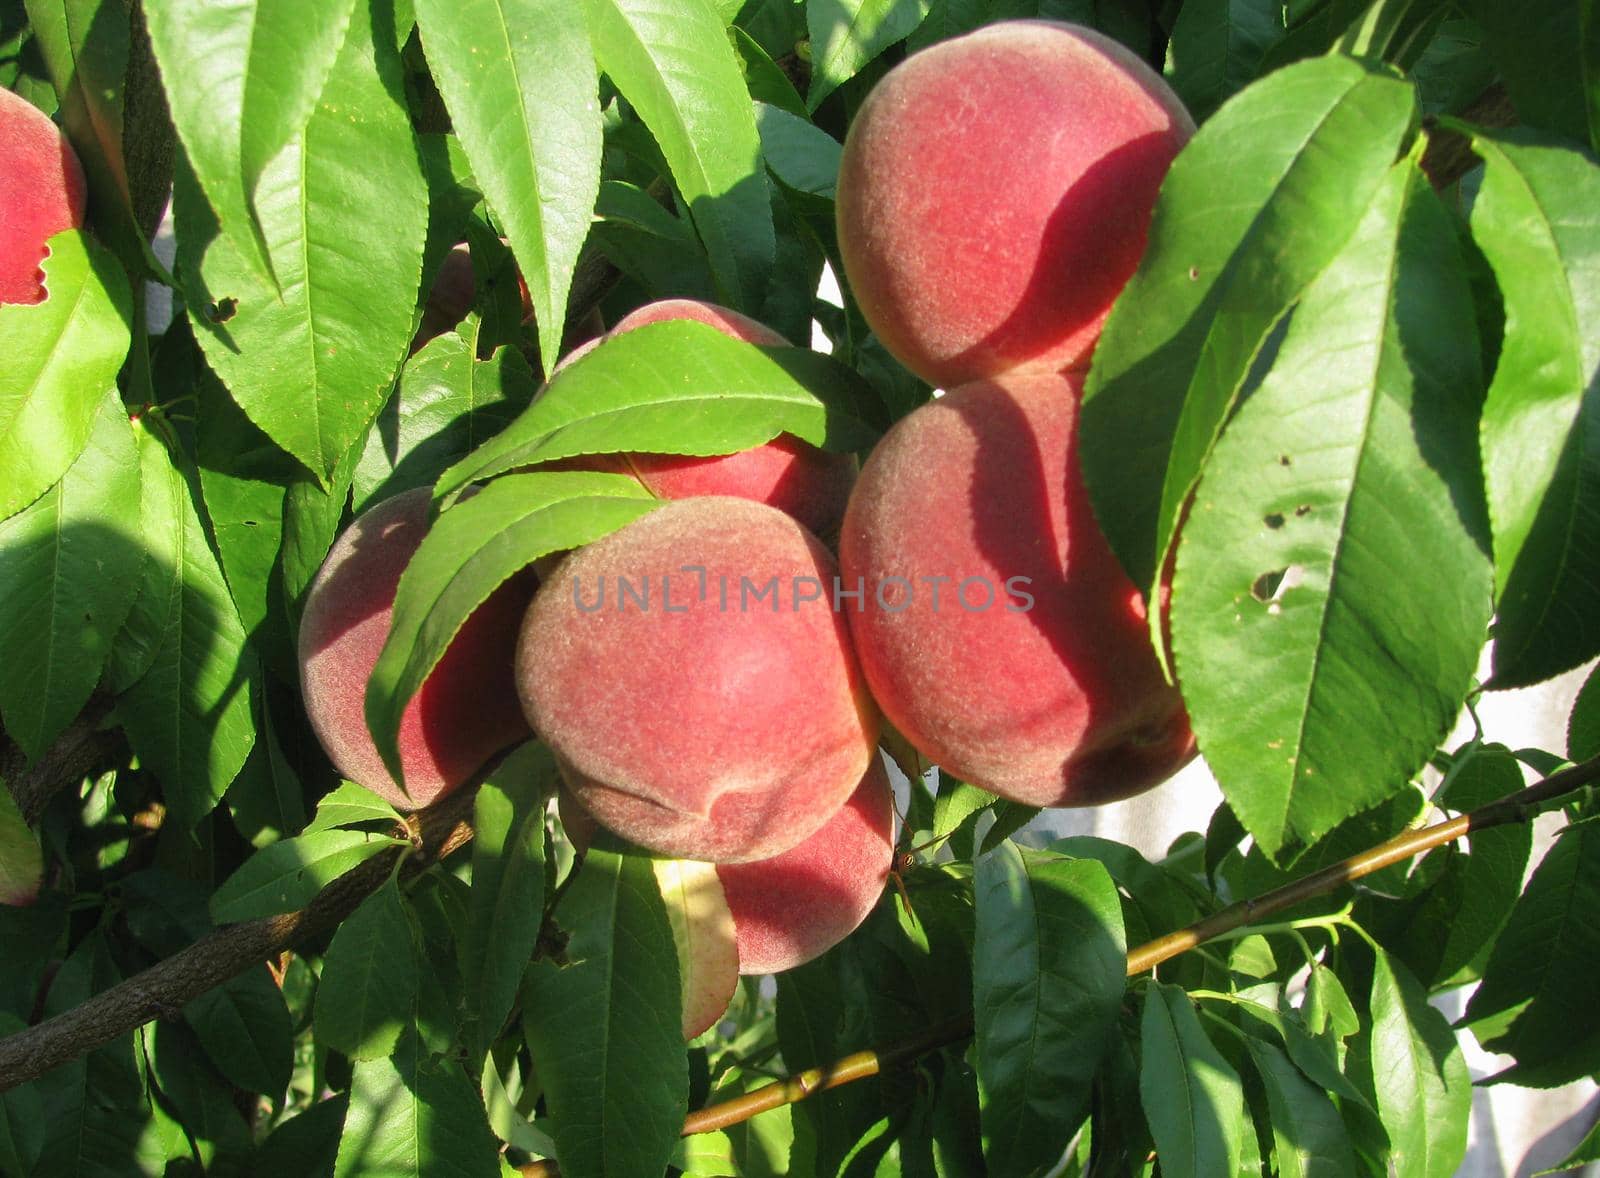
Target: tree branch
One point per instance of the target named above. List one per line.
(167, 986)
(83, 747)
(1518, 807)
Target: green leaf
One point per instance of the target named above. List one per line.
(675, 66)
(468, 553)
(1465, 908)
(161, 493)
(1334, 569)
(764, 78)
(1583, 725)
(817, 1024)
(1192, 1099)
(85, 44)
(349, 804)
(292, 49)
(267, 799)
(22, 1122)
(245, 1028)
(288, 874)
(414, 1115)
(801, 155)
(61, 357)
(1542, 966)
(507, 898)
(1309, 1137)
(1424, 1094)
(1546, 61)
(1328, 1009)
(1048, 972)
(1533, 220)
(367, 994)
(678, 387)
(447, 405)
(343, 214)
(95, 1106)
(1253, 209)
(1217, 48)
(243, 475)
(957, 801)
(21, 858)
(189, 715)
(65, 583)
(195, 1095)
(605, 1028)
(518, 77)
(846, 34)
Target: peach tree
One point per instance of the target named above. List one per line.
(1304, 355)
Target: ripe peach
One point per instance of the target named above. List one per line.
(454, 290)
(696, 685)
(995, 193)
(794, 476)
(467, 709)
(998, 632)
(42, 191)
(798, 905)
(788, 909)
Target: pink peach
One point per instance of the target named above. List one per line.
(995, 193)
(695, 684)
(467, 709)
(997, 630)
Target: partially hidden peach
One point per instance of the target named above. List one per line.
(695, 684)
(42, 192)
(783, 911)
(467, 709)
(798, 905)
(995, 193)
(794, 476)
(996, 629)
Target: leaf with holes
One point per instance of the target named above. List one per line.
(1333, 575)
(1254, 208)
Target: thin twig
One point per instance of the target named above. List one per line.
(1518, 807)
(165, 987)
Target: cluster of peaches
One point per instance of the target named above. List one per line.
(711, 679)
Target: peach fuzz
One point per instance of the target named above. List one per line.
(995, 194)
(1045, 691)
(688, 716)
(42, 192)
(796, 906)
(794, 476)
(467, 709)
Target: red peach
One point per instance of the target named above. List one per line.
(42, 192)
(798, 905)
(995, 192)
(796, 477)
(467, 709)
(696, 685)
(1028, 669)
